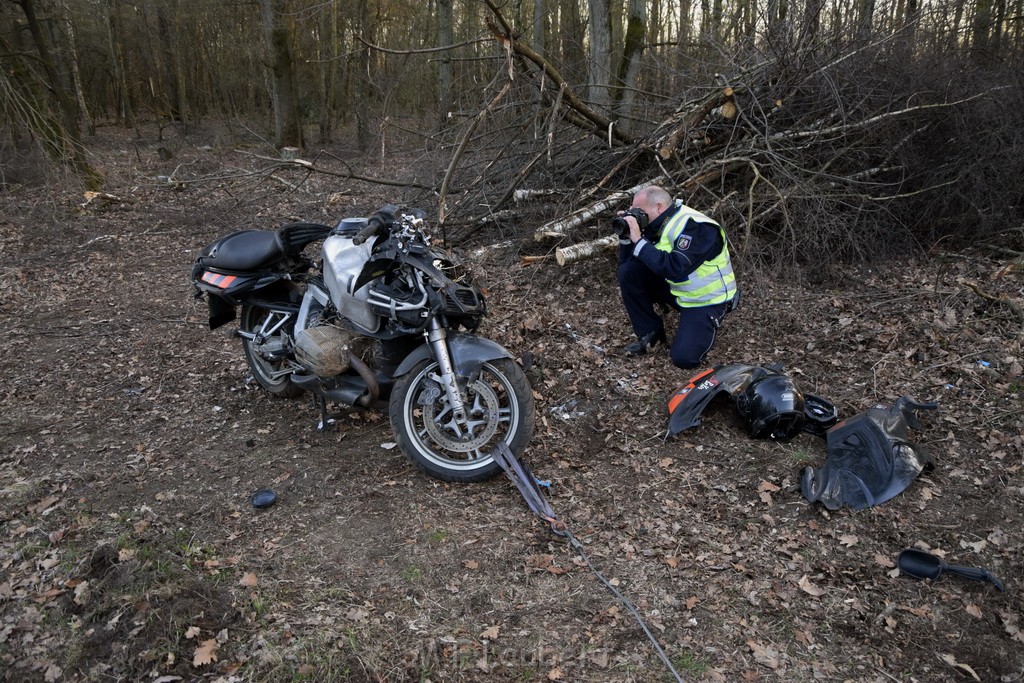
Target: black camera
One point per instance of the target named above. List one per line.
(620, 224)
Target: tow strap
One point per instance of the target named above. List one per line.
(530, 488)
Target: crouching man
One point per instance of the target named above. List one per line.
(674, 255)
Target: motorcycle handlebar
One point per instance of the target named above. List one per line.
(366, 233)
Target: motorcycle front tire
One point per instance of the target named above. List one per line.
(501, 408)
(262, 369)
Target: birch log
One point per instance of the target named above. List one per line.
(490, 249)
(558, 228)
(585, 250)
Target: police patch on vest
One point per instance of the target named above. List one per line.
(683, 243)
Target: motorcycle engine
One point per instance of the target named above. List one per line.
(324, 350)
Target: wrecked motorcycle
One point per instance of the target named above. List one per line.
(376, 322)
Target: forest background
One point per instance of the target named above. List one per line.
(818, 130)
(865, 157)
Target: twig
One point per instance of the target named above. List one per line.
(446, 183)
(426, 50)
(1017, 308)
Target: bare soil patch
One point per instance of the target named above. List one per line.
(132, 438)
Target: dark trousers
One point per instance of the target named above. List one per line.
(641, 290)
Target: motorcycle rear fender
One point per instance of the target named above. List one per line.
(221, 311)
(469, 352)
(225, 291)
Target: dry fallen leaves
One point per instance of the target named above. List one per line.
(357, 614)
(83, 593)
(545, 562)
(951, 660)
(248, 580)
(764, 654)
(206, 653)
(490, 633)
(807, 587)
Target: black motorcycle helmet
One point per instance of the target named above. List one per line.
(772, 407)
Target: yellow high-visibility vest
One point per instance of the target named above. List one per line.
(713, 282)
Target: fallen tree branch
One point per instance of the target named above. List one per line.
(847, 127)
(92, 197)
(670, 142)
(584, 250)
(504, 35)
(351, 175)
(1016, 308)
(446, 183)
(421, 51)
(558, 228)
(487, 250)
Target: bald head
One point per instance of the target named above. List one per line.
(652, 200)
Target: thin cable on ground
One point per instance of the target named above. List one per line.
(529, 487)
(625, 601)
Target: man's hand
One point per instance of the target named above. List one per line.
(631, 224)
(634, 229)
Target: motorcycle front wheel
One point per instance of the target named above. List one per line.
(267, 360)
(499, 407)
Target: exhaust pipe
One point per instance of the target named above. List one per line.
(372, 387)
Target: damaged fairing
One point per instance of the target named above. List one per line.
(869, 458)
(687, 404)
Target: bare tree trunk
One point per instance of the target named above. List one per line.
(685, 36)
(997, 26)
(954, 31)
(584, 250)
(67, 135)
(363, 88)
(445, 70)
(911, 19)
(600, 62)
(176, 107)
(572, 36)
(287, 117)
(76, 76)
(125, 109)
(716, 21)
(629, 67)
(330, 48)
(981, 29)
(865, 19)
(776, 19)
(539, 15)
(811, 22)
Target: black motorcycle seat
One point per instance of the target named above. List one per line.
(245, 250)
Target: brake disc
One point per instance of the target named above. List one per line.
(482, 414)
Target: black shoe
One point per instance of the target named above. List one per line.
(645, 343)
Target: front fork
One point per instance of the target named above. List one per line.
(437, 338)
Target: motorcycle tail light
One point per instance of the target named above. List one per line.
(218, 280)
